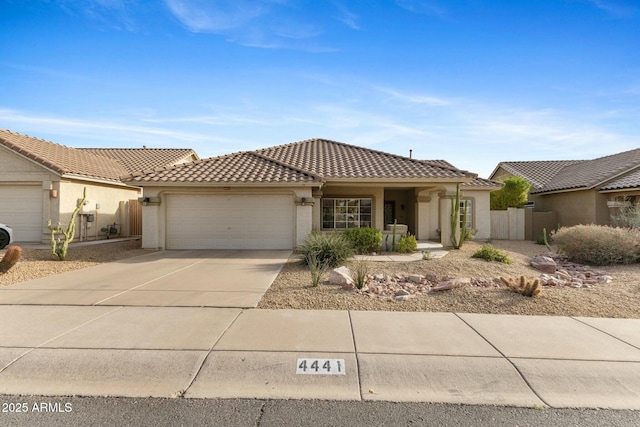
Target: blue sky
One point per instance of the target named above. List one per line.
(473, 82)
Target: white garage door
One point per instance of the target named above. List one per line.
(21, 209)
(230, 222)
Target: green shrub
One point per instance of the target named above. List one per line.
(599, 244)
(364, 240)
(329, 249)
(407, 244)
(489, 253)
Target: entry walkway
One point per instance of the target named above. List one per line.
(429, 250)
(339, 355)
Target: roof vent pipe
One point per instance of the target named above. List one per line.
(410, 154)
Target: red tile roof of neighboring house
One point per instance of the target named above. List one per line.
(61, 159)
(244, 167)
(141, 159)
(311, 160)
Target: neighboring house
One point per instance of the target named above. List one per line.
(41, 180)
(273, 197)
(580, 191)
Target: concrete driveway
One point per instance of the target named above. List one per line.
(228, 278)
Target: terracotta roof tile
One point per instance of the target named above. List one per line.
(61, 159)
(140, 159)
(243, 167)
(331, 159)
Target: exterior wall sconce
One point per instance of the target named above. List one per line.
(53, 193)
(304, 201)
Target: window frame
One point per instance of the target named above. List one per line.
(343, 213)
(466, 204)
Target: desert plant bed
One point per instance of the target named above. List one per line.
(483, 294)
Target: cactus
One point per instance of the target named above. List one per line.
(458, 233)
(10, 258)
(523, 286)
(545, 239)
(59, 247)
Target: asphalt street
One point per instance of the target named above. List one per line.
(100, 411)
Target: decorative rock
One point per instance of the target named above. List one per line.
(431, 277)
(402, 293)
(450, 284)
(544, 264)
(341, 276)
(416, 278)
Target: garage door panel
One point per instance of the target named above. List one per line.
(230, 222)
(21, 208)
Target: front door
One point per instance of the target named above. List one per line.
(389, 211)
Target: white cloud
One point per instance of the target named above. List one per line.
(617, 9)
(416, 98)
(100, 130)
(424, 7)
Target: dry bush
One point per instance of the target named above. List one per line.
(598, 244)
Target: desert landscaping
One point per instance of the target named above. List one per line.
(483, 292)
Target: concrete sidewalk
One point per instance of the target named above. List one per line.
(200, 352)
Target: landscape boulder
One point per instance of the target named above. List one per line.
(341, 276)
(544, 263)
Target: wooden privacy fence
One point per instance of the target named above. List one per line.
(135, 218)
(521, 224)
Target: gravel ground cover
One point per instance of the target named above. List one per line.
(292, 288)
(621, 298)
(36, 263)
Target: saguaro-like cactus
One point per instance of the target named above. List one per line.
(458, 232)
(59, 246)
(10, 258)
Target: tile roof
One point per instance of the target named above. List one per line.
(331, 159)
(140, 159)
(61, 159)
(312, 160)
(593, 173)
(616, 171)
(538, 173)
(476, 183)
(243, 167)
(631, 180)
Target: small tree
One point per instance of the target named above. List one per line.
(514, 194)
(59, 246)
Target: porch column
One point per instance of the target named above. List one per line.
(422, 217)
(445, 217)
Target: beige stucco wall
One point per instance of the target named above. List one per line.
(481, 212)
(575, 207)
(102, 200)
(154, 215)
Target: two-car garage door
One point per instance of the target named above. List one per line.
(251, 221)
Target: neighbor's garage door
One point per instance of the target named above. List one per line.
(21, 209)
(229, 222)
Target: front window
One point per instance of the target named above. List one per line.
(340, 214)
(466, 205)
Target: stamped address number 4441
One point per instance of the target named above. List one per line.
(321, 367)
